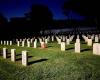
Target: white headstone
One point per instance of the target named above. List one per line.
(52, 38)
(46, 41)
(89, 42)
(13, 55)
(63, 38)
(4, 42)
(68, 41)
(77, 47)
(48, 38)
(24, 58)
(43, 45)
(71, 38)
(59, 41)
(27, 40)
(4, 53)
(31, 40)
(20, 40)
(62, 46)
(18, 43)
(92, 37)
(96, 38)
(10, 42)
(35, 44)
(1, 42)
(66, 38)
(40, 40)
(36, 40)
(95, 48)
(98, 49)
(24, 39)
(77, 36)
(7, 42)
(23, 43)
(99, 36)
(78, 40)
(86, 39)
(28, 43)
(16, 40)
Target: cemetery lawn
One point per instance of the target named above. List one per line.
(51, 64)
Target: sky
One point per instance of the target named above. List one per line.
(17, 8)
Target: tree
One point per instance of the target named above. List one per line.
(84, 8)
(3, 24)
(3, 20)
(40, 17)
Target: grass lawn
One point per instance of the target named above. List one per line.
(51, 64)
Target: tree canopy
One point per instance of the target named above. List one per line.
(40, 15)
(84, 7)
(3, 20)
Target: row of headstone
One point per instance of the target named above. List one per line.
(43, 40)
(93, 37)
(64, 39)
(58, 38)
(6, 42)
(77, 46)
(96, 46)
(43, 43)
(87, 40)
(13, 56)
(22, 43)
(26, 40)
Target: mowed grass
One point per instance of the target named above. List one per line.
(51, 64)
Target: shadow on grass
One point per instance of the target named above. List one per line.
(85, 50)
(70, 48)
(8, 55)
(18, 54)
(30, 56)
(50, 46)
(72, 43)
(18, 59)
(37, 61)
(1, 53)
(83, 43)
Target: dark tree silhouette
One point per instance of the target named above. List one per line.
(86, 8)
(3, 20)
(18, 27)
(3, 24)
(83, 7)
(40, 17)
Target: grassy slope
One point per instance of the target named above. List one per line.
(52, 64)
